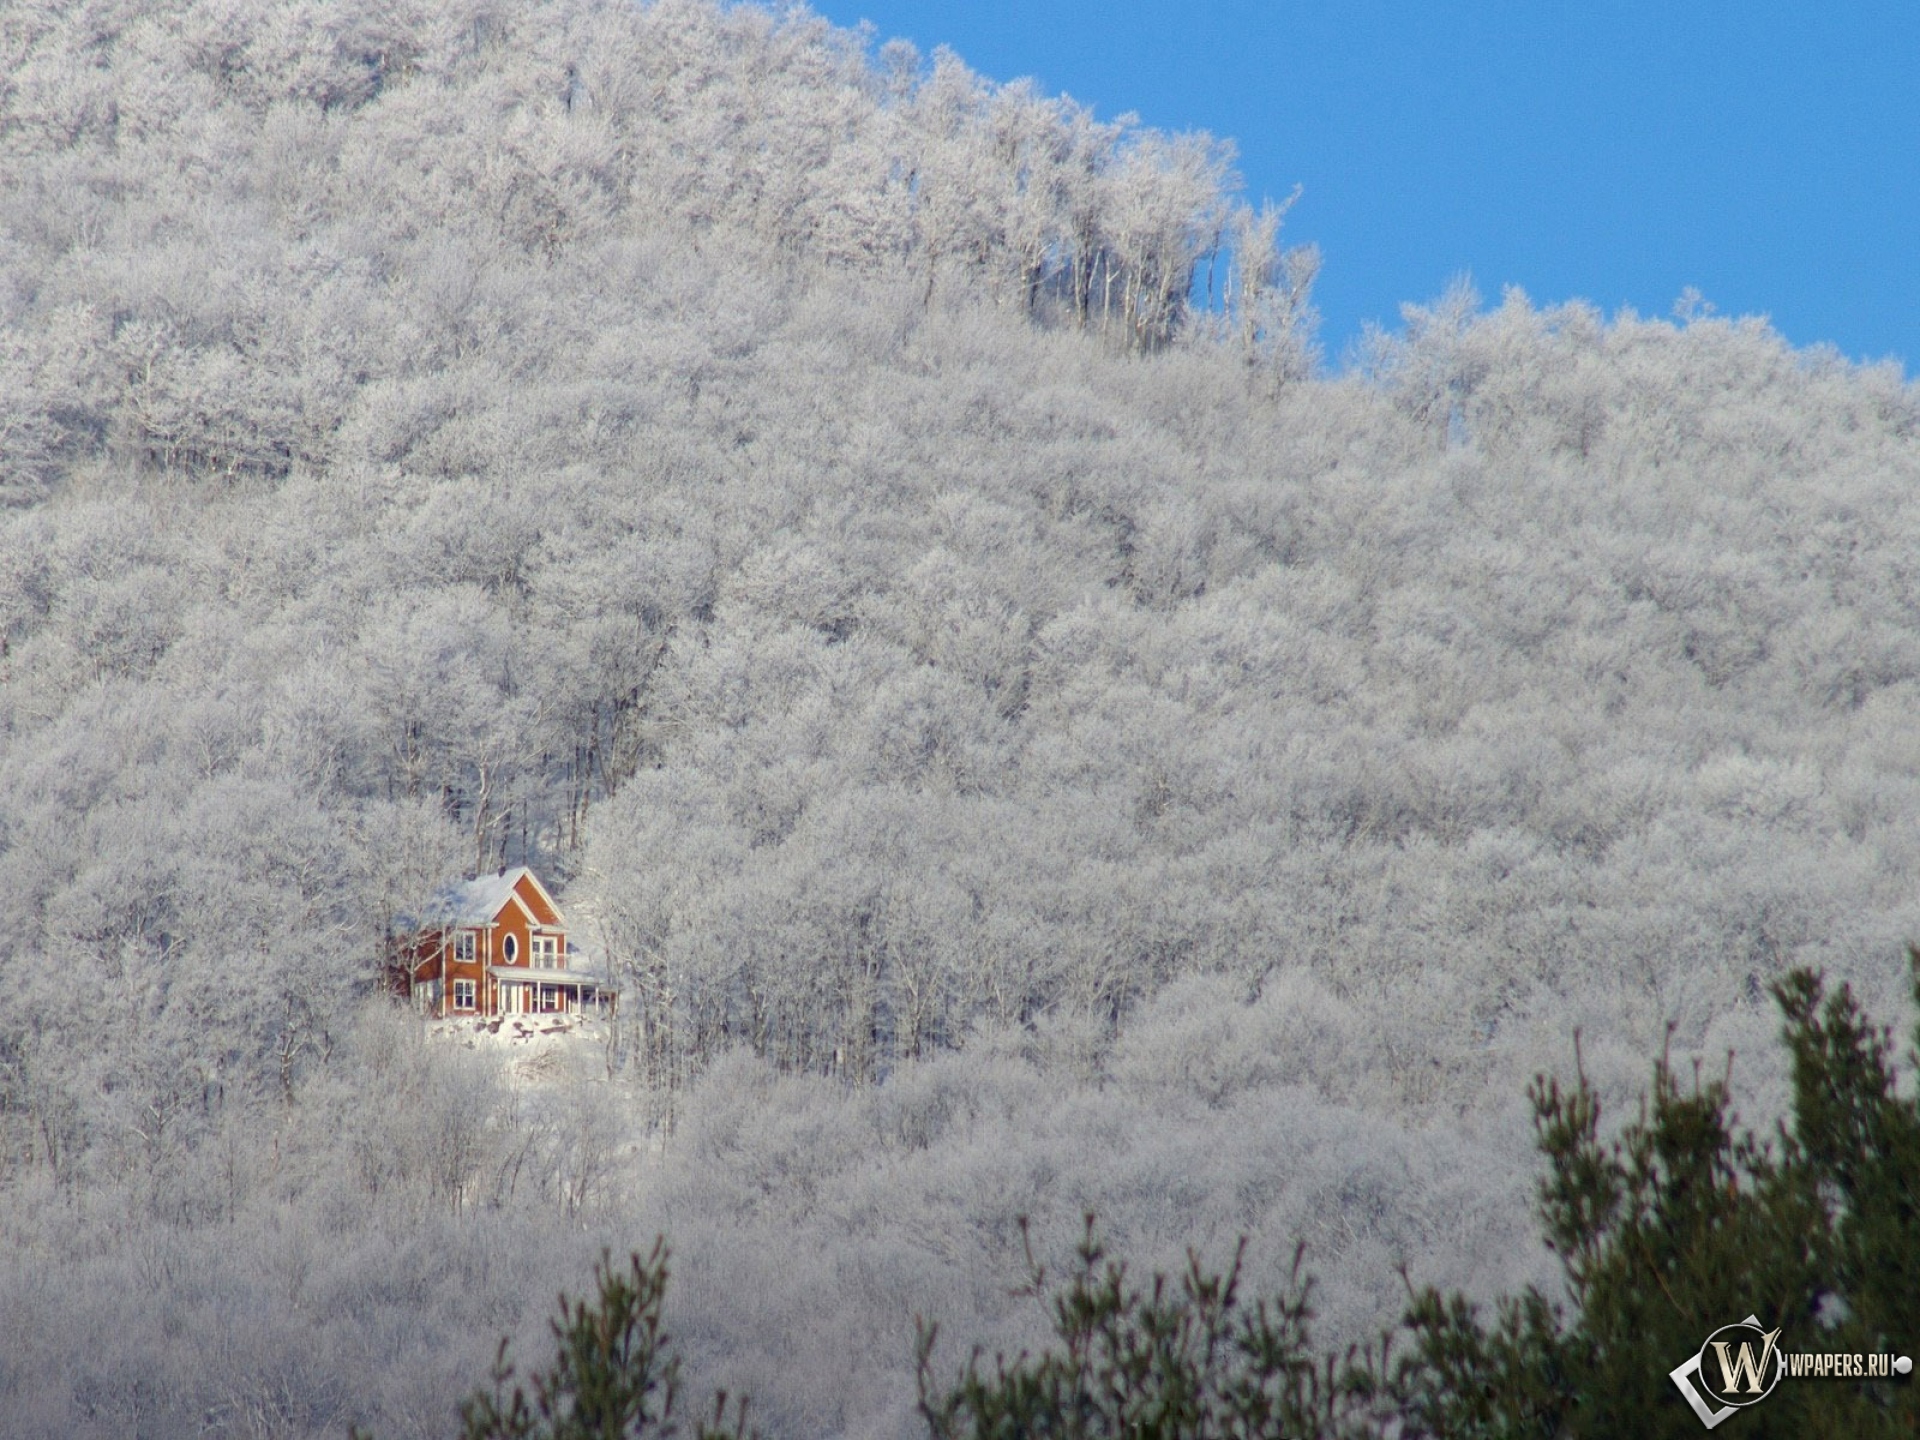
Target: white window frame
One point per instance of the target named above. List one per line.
(463, 947)
(544, 952)
(468, 989)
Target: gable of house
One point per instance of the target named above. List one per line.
(534, 897)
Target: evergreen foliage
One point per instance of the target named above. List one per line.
(1680, 1224)
(612, 1375)
(1684, 1223)
(1165, 1363)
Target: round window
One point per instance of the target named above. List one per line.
(512, 949)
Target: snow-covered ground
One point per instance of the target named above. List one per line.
(532, 1049)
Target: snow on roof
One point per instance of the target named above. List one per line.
(471, 902)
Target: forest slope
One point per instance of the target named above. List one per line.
(1020, 737)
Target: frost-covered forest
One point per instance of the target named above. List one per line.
(1026, 735)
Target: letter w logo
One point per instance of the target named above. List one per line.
(1744, 1367)
(1750, 1366)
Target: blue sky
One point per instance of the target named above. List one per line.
(1617, 151)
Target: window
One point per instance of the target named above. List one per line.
(511, 949)
(463, 946)
(546, 952)
(463, 994)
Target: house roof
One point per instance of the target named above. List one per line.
(479, 901)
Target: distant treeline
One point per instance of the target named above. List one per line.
(225, 222)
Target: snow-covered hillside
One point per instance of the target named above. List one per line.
(1023, 741)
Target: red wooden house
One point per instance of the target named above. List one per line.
(496, 945)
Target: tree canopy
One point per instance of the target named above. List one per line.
(1025, 733)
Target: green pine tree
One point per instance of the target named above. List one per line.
(1186, 1362)
(1684, 1224)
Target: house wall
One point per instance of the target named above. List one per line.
(430, 970)
(476, 972)
(515, 924)
(421, 954)
(512, 923)
(426, 952)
